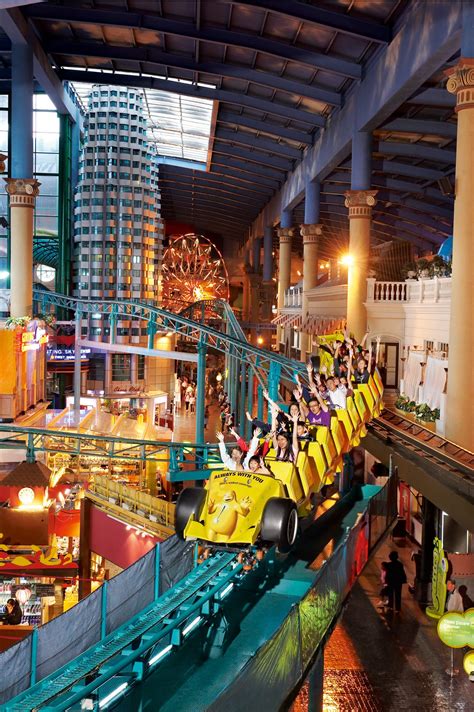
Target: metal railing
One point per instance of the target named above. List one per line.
(137, 506)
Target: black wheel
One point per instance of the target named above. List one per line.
(189, 503)
(280, 523)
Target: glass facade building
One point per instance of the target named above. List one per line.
(118, 232)
(47, 230)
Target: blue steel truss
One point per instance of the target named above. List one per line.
(267, 366)
(130, 650)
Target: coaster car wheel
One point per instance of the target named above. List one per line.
(189, 504)
(280, 523)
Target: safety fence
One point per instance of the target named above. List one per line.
(134, 500)
(281, 663)
(116, 601)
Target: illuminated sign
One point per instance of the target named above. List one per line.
(66, 354)
(457, 629)
(438, 582)
(32, 340)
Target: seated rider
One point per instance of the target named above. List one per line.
(237, 460)
(258, 467)
(286, 445)
(316, 412)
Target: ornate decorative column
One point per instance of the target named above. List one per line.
(284, 263)
(360, 204)
(22, 193)
(310, 235)
(460, 399)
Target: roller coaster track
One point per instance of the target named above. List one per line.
(425, 442)
(130, 650)
(266, 365)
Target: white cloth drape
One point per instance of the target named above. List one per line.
(412, 375)
(435, 381)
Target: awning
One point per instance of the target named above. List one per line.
(291, 319)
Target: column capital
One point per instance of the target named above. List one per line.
(22, 191)
(360, 202)
(285, 234)
(461, 82)
(310, 232)
(3, 158)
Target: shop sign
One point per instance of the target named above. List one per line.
(32, 340)
(128, 389)
(66, 354)
(438, 581)
(456, 630)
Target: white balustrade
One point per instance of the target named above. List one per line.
(388, 291)
(422, 291)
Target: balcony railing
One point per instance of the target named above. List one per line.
(422, 291)
(294, 297)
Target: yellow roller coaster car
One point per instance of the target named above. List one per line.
(243, 508)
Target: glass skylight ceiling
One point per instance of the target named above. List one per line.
(179, 126)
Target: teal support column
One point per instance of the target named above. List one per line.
(259, 402)
(201, 392)
(156, 583)
(274, 380)
(77, 366)
(113, 325)
(151, 331)
(250, 382)
(243, 392)
(65, 207)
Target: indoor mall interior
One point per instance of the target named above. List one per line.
(236, 355)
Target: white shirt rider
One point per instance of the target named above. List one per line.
(230, 463)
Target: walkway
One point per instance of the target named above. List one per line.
(377, 663)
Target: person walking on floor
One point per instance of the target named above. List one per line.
(454, 601)
(395, 578)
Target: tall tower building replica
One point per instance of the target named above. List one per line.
(118, 231)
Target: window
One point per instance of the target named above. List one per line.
(140, 367)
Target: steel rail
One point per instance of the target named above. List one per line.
(184, 599)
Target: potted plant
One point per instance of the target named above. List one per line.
(423, 268)
(409, 270)
(14, 321)
(437, 267)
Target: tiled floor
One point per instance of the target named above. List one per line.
(382, 663)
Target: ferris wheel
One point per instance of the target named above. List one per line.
(193, 270)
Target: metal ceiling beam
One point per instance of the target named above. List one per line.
(434, 97)
(390, 81)
(19, 31)
(223, 196)
(230, 117)
(205, 225)
(416, 150)
(262, 144)
(256, 156)
(312, 14)
(407, 169)
(217, 215)
(215, 35)
(227, 97)
(241, 169)
(220, 183)
(155, 57)
(189, 211)
(444, 129)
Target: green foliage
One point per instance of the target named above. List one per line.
(422, 266)
(421, 411)
(409, 268)
(13, 321)
(48, 319)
